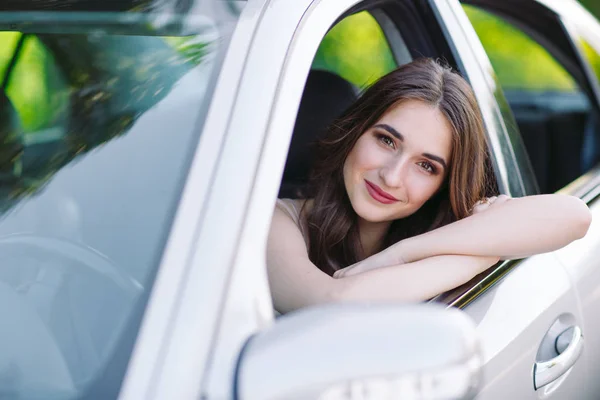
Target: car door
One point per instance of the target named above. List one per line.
(581, 258)
(521, 306)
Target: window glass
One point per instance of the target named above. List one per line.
(554, 116)
(519, 61)
(356, 49)
(99, 117)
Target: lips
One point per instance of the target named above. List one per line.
(378, 194)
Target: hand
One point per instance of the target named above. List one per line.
(488, 202)
(385, 258)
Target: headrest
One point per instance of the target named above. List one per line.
(326, 96)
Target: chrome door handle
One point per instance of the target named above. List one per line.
(548, 371)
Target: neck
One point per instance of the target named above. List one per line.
(372, 235)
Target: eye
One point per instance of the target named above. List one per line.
(428, 167)
(386, 140)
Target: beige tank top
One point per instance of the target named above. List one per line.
(293, 207)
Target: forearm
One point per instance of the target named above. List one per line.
(385, 258)
(416, 281)
(515, 229)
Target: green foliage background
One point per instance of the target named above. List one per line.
(519, 62)
(593, 6)
(356, 49)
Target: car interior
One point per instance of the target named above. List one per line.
(556, 129)
(326, 96)
(557, 121)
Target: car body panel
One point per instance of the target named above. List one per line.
(513, 317)
(582, 262)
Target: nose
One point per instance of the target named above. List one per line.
(393, 172)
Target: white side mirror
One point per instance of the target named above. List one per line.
(413, 352)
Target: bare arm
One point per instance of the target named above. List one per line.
(413, 281)
(521, 227)
(514, 229)
(296, 282)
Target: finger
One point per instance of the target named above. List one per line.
(503, 199)
(479, 208)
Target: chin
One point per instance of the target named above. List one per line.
(373, 213)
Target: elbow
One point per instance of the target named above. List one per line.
(581, 218)
(338, 291)
(348, 289)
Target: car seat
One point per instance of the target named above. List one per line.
(326, 95)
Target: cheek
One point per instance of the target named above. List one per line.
(366, 156)
(422, 187)
(359, 160)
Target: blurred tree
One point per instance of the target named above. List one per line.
(519, 61)
(593, 6)
(72, 93)
(592, 56)
(356, 49)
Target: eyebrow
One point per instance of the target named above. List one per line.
(391, 130)
(436, 158)
(400, 137)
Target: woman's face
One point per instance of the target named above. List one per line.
(399, 163)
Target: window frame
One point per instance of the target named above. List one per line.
(172, 336)
(395, 41)
(381, 18)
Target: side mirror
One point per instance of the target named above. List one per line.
(351, 351)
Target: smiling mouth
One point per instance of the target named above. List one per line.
(378, 194)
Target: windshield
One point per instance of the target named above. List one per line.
(101, 106)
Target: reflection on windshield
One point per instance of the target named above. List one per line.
(97, 131)
(74, 93)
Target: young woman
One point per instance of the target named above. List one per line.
(401, 205)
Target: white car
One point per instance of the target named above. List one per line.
(144, 143)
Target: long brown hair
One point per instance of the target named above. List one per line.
(334, 240)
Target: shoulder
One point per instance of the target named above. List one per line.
(294, 280)
(292, 210)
